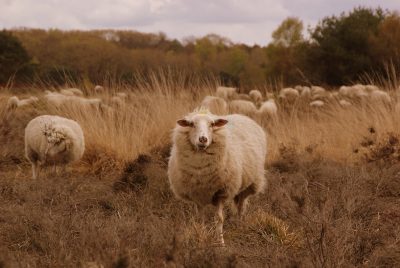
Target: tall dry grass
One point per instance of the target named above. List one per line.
(329, 201)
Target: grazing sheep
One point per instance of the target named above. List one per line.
(227, 93)
(255, 96)
(98, 89)
(371, 88)
(317, 103)
(14, 102)
(242, 96)
(268, 109)
(344, 103)
(55, 98)
(216, 105)
(242, 107)
(289, 94)
(76, 91)
(315, 90)
(215, 160)
(380, 96)
(117, 102)
(53, 140)
(306, 92)
(66, 92)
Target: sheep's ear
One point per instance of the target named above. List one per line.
(183, 123)
(220, 122)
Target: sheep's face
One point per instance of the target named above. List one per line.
(201, 129)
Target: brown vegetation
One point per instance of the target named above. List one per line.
(332, 197)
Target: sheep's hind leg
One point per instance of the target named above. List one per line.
(240, 200)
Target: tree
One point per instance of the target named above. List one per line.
(341, 44)
(289, 33)
(385, 46)
(14, 59)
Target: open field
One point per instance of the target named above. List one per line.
(332, 197)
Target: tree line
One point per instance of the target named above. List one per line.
(337, 51)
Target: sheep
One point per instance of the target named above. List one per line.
(76, 91)
(371, 88)
(242, 107)
(268, 109)
(66, 92)
(53, 140)
(216, 105)
(14, 102)
(216, 160)
(55, 98)
(98, 89)
(289, 94)
(117, 102)
(315, 90)
(344, 103)
(255, 96)
(242, 96)
(226, 93)
(380, 96)
(317, 103)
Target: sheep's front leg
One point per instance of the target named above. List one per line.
(34, 168)
(219, 217)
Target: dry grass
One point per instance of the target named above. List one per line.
(332, 197)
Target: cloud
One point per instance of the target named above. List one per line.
(242, 21)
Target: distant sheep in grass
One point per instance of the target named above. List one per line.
(66, 92)
(268, 109)
(226, 93)
(98, 89)
(242, 96)
(318, 90)
(381, 96)
(53, 140)
(289, 94)
(217, 159)
(242, 107)
(76, 91)
(317, 103)
(256, 96)
(216, 105)
(14, 102)
(117, 102)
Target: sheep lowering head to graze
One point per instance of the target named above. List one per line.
(216, 160)
(216, 105)
(53, 140)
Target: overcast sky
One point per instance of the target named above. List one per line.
(242, 21)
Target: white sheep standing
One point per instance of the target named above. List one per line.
(53, 140)
(216, 105)
(242, 107)
(217, 159)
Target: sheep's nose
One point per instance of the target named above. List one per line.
(203, 139)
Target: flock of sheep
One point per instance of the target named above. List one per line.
(261, 108)
(72, 97)
(218, 150)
